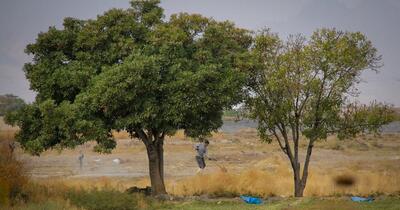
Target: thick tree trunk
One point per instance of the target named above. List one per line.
(160, 151)
(156, 168)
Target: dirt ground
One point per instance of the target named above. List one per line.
(234, 151)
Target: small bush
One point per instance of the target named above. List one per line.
(105, 199)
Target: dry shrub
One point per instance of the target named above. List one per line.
(12, 173)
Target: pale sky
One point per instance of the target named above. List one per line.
(22, 20)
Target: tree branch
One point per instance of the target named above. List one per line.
(287, 145)
(283, 148)
(307, 162)
(142, 135)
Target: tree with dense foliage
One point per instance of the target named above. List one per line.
(131, 70)
(303, 90)
(9, 103)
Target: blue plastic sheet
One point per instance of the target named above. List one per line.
(251, 200)
(361, 199)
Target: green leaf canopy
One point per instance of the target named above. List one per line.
(130, 69)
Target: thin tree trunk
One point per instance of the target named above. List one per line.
(298, 190)
(306, 164)
(300, 183)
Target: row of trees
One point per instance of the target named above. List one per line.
(133, 70)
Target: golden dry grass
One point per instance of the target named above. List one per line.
(273, 175)
(13, 176)
(277, 181)
(266, 174)
(7, 135)
(121, 135)
(280, 182)
(6, 132)
(87, 183)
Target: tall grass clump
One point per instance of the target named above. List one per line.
(13, 176)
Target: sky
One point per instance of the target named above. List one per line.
(379, 20)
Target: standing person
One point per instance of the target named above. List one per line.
(81, 156)
(201, 149)
(11, 146)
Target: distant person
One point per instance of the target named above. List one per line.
(81, 156)
(201, 150)
(11, 146)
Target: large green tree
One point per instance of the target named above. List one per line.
(303, 90)
(131, 70)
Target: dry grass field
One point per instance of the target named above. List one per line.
(243, 165)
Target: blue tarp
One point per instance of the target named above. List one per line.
(251, 200)
(361, 199)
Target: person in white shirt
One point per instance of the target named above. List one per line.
(201, 149)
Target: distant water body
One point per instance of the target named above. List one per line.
(231, 126)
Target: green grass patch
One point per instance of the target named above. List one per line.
(104, 199)
(47, 205)
(289, 204)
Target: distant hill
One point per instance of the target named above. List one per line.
(10, 102)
